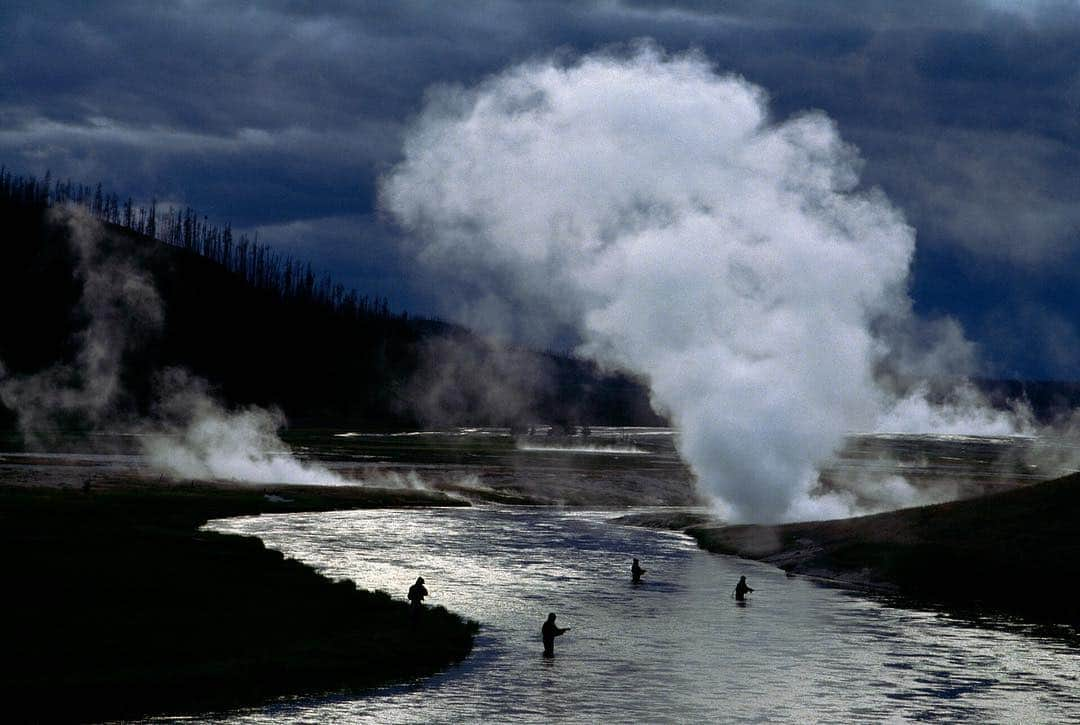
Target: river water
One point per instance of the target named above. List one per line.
(675, 648)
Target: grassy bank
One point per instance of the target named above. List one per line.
(1015, 552)
(116, 605)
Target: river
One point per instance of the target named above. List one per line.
(675, 648)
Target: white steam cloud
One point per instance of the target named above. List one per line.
(651, 206)
(194, 437)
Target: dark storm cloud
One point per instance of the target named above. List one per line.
(298, 105)
(278, 115)
(357, 247)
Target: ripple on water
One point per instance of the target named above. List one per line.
(673, 649)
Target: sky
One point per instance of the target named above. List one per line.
(282, 117)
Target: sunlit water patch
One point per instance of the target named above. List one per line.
(598, 450)
(675, 649)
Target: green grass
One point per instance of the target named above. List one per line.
(116, 606)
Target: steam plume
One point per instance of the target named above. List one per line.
(122, 310)
(191, 436)
(194, 437)
(462, 379)
(652, 207)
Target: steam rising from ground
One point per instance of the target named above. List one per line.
(122, 309)
(653, 208)
(199, 439)
(191, 435)
(464, 379)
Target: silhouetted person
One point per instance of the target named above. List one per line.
(417, 592)
(636, 571)
(550, 632)
(741, 590)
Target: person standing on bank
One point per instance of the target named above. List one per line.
(550, 632)
(417, 592)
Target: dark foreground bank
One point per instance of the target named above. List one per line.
(115, 605)
(1015, 553)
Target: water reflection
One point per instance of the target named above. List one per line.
(674, 648)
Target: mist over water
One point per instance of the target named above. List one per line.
(654, 209)
(584, 448)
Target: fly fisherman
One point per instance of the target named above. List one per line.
(741, 590)
(636, 571)
(550, 632)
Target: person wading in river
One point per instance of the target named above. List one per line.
(636, 571)
(741, 590)
(550, 632)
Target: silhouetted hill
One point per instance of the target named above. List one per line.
(324, 357)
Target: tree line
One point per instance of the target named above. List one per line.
(257, 264)
(264, 329)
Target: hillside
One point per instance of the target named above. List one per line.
(323, 357)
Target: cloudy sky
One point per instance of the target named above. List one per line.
(283, 116)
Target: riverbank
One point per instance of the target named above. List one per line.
(116, 605)
(1011, 553)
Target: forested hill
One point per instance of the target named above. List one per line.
(266, 330)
